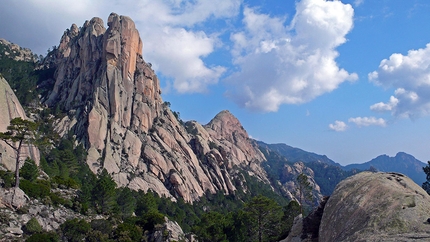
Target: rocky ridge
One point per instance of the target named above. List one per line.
(15, 52)
(114, 106)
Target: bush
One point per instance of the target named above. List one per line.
(43, 237)
(32, 226)
(38, 189)
(75, 229)
(29, 170)
(8, 179)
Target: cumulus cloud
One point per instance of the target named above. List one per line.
(172, 42)
(410, 76)
(293, 64)
(368, 121)
(338, 126)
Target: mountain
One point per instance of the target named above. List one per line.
(295, 154)
(112, 104)
(402, 163)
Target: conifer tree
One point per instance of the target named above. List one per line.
(304, 189)
(18, 133)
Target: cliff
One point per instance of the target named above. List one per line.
(114, 106)
(11, 108)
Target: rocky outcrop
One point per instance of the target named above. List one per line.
(10, 108)
(288, 179)
(112, 98)
(15, 52)
(376, 207)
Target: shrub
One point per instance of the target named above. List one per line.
(29, 170)
(75, 229)
(32, 226)
(43, 237)
(38, 189)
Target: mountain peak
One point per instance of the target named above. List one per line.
(226, 126)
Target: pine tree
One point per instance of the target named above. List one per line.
(304, 189)
(103, 193)
(18, 133)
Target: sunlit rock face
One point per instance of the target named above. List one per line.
(112, 98)
(376, 207)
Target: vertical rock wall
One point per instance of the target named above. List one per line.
(10, 108)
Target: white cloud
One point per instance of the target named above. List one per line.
(410, 76)
(368, 121)
(338, 126)
(172, 42)
(293, 64)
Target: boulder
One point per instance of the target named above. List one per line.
(376, 207)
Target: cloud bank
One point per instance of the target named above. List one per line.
(293, 64)
(174, 41)
(410, 76)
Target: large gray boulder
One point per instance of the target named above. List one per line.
(376, 207)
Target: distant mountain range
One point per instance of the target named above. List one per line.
(402, 163)
(295, 154)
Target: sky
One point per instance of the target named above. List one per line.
(348, 79)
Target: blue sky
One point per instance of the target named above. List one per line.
(348, 79)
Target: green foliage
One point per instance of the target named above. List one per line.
(18, 132)
(426, 184)
(126, 202)
(7, 178)
(75, 230)
(43, 237)
(304, 189)
(37, 189)
(291, 211)
(29, 170)
(128, 232)
(263, 217)
(212, 227)
(21, 78)
(150, 219)
(103, 193)
(24, 79)
(102, 225)
(32, 226)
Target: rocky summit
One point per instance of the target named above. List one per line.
(376, 207)
(114, 106)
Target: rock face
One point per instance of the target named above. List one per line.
(289, 181)
(15, 52)
(376, 207)
(112, 97)
(10, 108)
